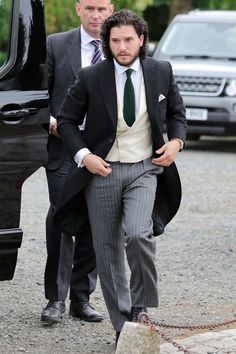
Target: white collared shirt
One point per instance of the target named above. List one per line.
(87, 48)
(136, 77)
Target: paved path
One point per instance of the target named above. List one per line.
(222, 342)
(196, 262)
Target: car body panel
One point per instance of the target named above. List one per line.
(24, 117)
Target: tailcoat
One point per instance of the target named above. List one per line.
(94, 95)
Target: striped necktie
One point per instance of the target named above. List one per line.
(97, 55)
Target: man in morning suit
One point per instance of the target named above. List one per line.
(124, 168)
(67, 52)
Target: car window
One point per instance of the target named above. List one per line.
(5, 27)
(214, 39)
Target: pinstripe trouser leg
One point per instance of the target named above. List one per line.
(121, 204)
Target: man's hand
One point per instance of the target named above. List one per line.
(53, 129)
(96, 165)
(169, 152)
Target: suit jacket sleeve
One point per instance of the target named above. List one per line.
(71, 115)
(50, 65)
(175, 114)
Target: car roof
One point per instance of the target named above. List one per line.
(206, 15)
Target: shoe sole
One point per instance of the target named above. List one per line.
(76, 315)
(49, 319)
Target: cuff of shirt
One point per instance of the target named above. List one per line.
(181, 143)
(80, 155)
(52, 119)
(51, 123)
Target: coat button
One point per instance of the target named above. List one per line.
(110, 140)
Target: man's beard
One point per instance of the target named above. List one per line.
(129, 63)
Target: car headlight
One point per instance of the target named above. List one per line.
(230, 88)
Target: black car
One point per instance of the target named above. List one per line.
(24, 115)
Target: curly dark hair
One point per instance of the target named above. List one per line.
(122, 18)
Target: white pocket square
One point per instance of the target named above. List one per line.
(161, 97)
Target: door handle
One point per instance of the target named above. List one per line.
(16, 116)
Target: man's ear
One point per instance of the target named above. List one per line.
(77, 8)
(111, 8)
(141, 39)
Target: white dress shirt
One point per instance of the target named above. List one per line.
(87, 48)
(136, 77)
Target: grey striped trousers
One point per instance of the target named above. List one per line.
(120, 208)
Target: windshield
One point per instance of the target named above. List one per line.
(201, 39)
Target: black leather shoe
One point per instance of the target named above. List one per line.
(84, 311)
(117, 336)
(135, 311)
(53, 312)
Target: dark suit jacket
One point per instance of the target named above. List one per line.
(64, 61)
(94, 93)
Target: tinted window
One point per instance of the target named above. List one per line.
(5, 26)
(192, 38)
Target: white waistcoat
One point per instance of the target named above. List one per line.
(132, 144)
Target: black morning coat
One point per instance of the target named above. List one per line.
(94, 95)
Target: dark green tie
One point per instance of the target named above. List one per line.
(129, 100)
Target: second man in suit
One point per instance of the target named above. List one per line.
(67, 52)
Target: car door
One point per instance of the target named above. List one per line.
(24, 115)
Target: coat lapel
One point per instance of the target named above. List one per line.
(73, 48)
(152, 88)
(106, 78)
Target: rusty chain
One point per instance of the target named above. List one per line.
(143, 318)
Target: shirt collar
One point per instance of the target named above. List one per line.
(120, 69)
(86, 38)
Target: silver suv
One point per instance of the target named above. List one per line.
(201, 47)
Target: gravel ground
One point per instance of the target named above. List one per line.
(196, 261)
